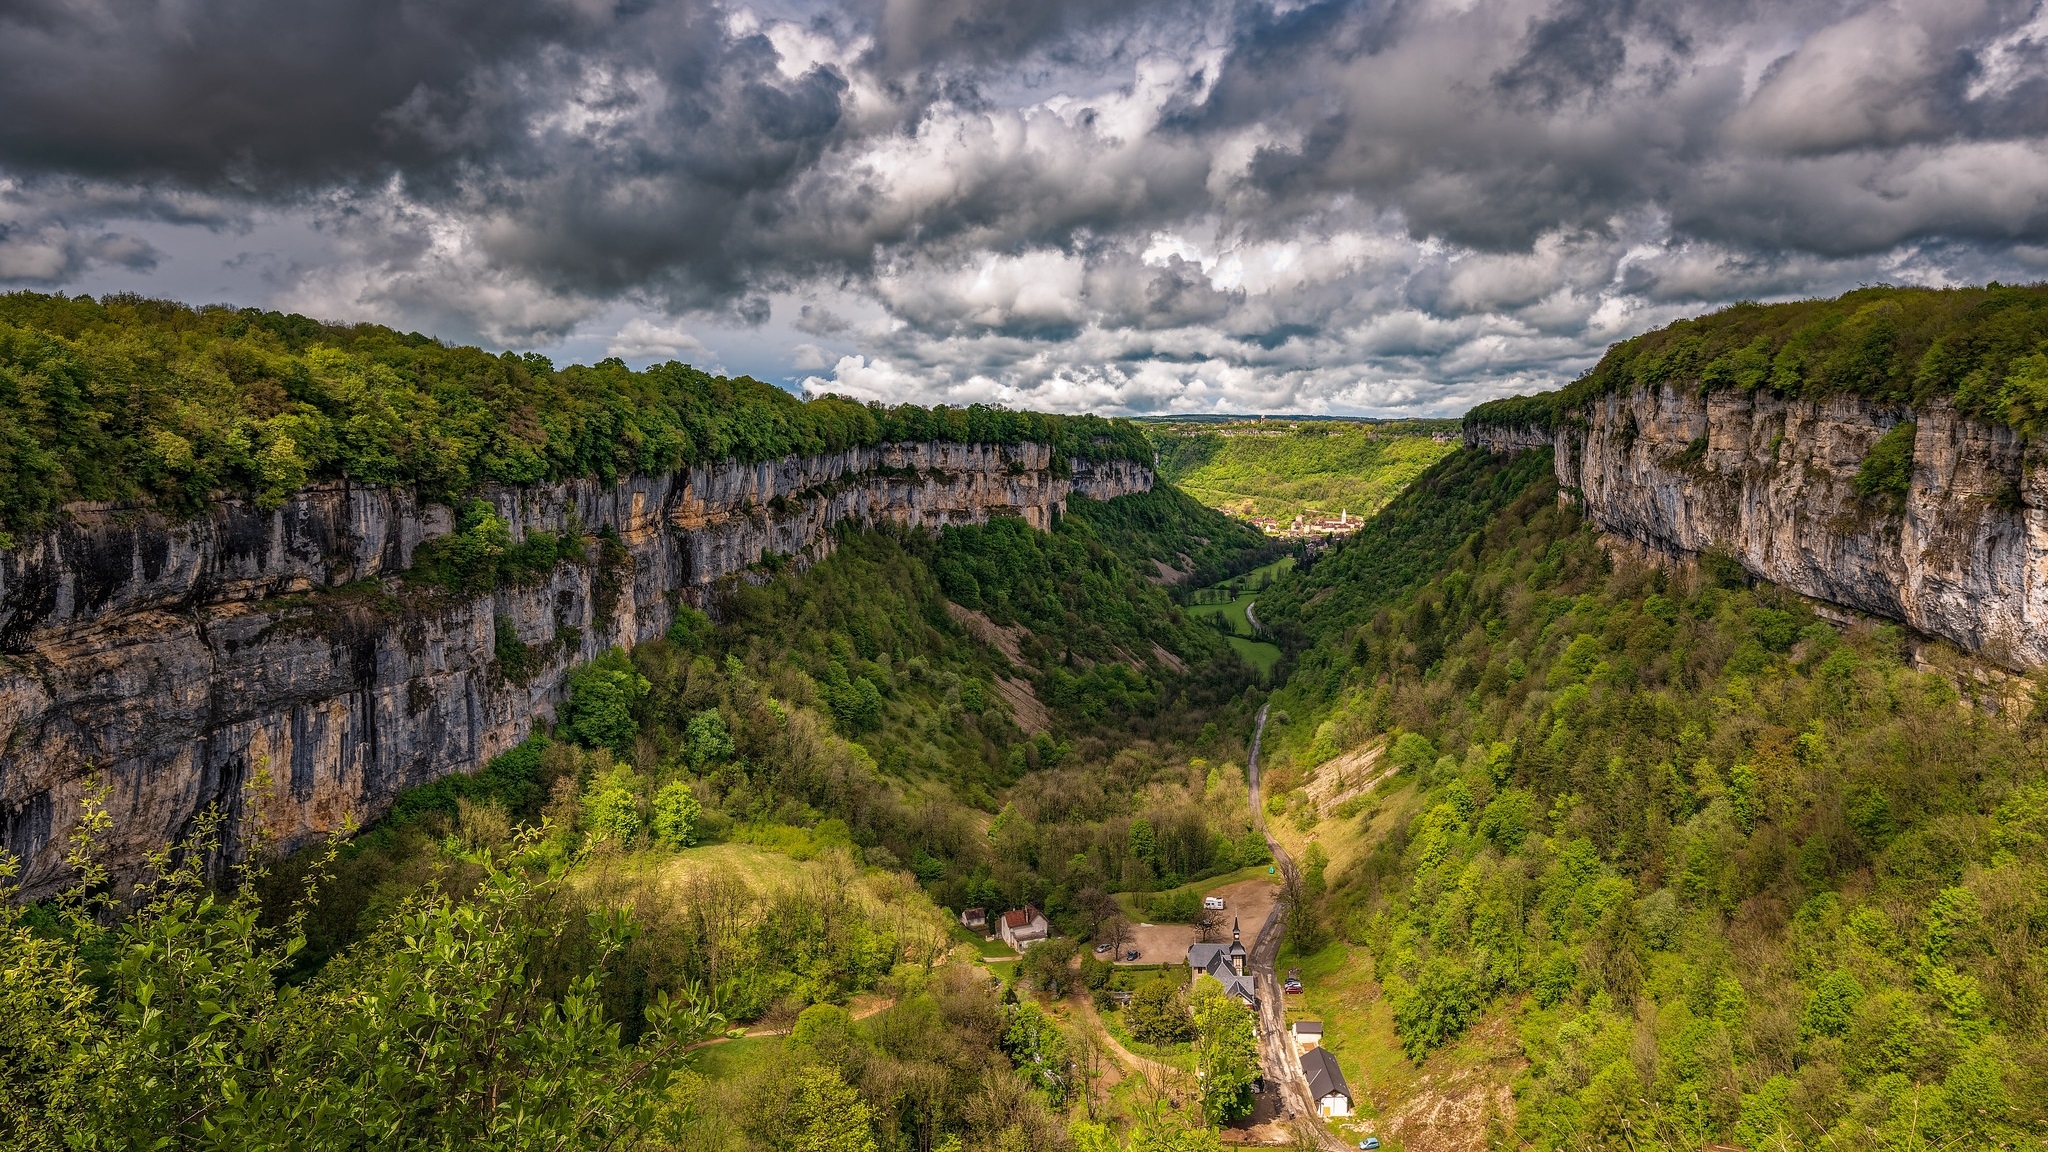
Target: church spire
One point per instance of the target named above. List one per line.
(1233, 930)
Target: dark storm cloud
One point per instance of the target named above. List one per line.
(254, 95)
(916, 33)
(535, 112)
(1345, 201)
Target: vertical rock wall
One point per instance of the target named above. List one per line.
(1769, 481)
(172, 657)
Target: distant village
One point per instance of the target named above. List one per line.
(1310, 524)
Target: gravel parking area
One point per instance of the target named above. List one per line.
(1247, 900)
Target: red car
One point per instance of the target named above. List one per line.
(1292, 987)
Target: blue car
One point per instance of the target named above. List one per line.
(1369, 1143)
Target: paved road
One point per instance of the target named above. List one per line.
(1252, 619)
(1276, 1052)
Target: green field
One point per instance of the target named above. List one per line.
(728, 1059)
(1280, 469)
(1128, 901)
(1257, 653)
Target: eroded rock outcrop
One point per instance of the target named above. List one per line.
(172, 657)
(1769, 481)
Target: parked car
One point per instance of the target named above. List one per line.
(1101, 948)
(1369, 1144)
(1131, 955)
(1292, 987)
(1213, 903)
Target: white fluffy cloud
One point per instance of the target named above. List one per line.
(1162, 206)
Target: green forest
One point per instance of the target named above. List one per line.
(1594, 853)
(1729, 871)
(1282, 469)
(746, 828)
(1985, 348)
(129, 399)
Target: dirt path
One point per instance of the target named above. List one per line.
(1275, 1053)
(860, 1013)
(1125, 1056)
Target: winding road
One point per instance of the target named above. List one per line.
(1276, 1053)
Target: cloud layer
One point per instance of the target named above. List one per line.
(1398, 206)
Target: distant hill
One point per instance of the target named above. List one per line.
(1282, 467)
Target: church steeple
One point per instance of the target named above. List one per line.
(1233, 930)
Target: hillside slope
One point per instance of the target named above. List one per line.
(1274, 469)
(1730, 871)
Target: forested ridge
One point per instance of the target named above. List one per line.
(749, 823)
(1668, 857)
(1728, 870)
(1985, 348)
(126, 398)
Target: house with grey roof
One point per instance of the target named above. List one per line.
(1326, 1084)
(1228, 964)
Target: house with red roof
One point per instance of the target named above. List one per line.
(1023, 927)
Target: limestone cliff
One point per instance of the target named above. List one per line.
(1767, 480)
(173, 656)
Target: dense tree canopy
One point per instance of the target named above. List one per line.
(125, 398)
(1987, 348)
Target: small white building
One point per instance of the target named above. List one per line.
(1326, 1084)
(975, 918)
(1308, 1034)
(1023, 927)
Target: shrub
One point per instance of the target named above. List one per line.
(1444, 1002)
(1412, 752)
(1180, 906)
(1158, 1014)
(1887, 471)
(611, 810)
(601, 700)
(1832, 1006)
(676, 811)
(708, 739)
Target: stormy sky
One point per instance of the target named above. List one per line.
(1400, 206)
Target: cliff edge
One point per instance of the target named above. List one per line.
(1960, 551)
(173, 657)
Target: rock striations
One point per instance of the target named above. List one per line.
(173, 658)
(1768, 481)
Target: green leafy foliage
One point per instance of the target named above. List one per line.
(1693, 837)
(611, 807)
(1324, 604)
(1226, 1051)
(676, 813)
(479, 555)
(464, 1022)
(1168, 527)
(602, 696)
(1886, 474)
(126, 398)
(1987, 348)
(1046, 965)
(1158, 1014)
(1074, 588)
(1039, 1049)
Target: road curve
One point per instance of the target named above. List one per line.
(1276, 1052)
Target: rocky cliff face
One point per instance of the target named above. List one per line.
(1768, 481)
(173, 657)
